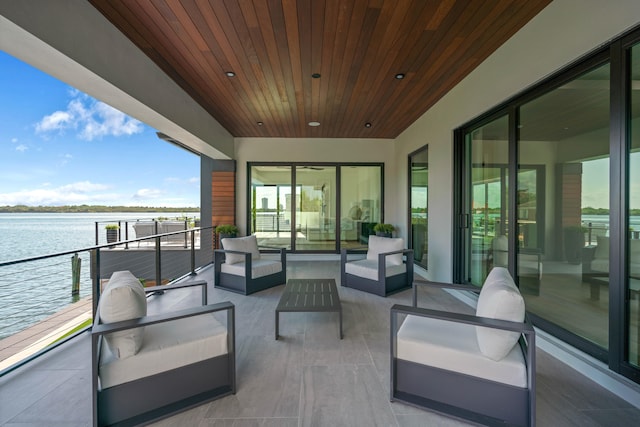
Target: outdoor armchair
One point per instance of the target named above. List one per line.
(147, 367)
(387, 268)
(241, 267)
(478, 367)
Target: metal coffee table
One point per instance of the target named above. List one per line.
(309, 295)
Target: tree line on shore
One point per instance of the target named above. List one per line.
(92, 209)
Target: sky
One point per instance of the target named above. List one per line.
(59, 146)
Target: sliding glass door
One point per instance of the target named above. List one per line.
(486, 231)
(419, 205)
(565, 134)
(314, 207)
(633, 215)
(271, 216)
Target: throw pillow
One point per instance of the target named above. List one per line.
(123, 299)
(242, 244)
(379, 245)
(499, 299)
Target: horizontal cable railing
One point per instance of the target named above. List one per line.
(48, 298)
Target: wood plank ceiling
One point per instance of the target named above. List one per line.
(274, 47)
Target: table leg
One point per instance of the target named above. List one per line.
(277, 323)
(340, 316)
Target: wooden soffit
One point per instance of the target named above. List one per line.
(274, 47)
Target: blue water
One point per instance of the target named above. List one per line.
(30, 292)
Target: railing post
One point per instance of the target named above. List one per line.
(126, 234)
(76, 265)
(96, 279)
(158, 260)
(97, 236)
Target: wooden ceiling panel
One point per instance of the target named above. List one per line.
(357, 46)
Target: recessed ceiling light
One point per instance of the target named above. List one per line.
(230, 74)
(400, 76)
(314, 124)
(367, 125)
(315, 75)
(260, 123)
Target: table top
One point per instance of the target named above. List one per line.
(310, 295)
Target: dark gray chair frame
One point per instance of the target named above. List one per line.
(247, 285)
(161, 395)
(459, 395)
(384, 285)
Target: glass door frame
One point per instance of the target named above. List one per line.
(294, 196)
(617, 54)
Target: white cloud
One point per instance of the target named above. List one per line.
(22, 148)
(57, 121)
(90, 119)
(148, 193)
(14, 140)
(70, 194)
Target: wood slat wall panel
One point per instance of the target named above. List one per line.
(223, 198)
(357, 46)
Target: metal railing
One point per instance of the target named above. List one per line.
(117, 230)
(58, 292)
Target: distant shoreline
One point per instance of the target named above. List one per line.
(91, 209)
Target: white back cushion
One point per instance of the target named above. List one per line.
(123, 299)
(500, 251)
(602, 250)
(380, 245)
(499, 299)
(242, 244)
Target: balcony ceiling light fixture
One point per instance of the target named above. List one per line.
(316, 75)
(260, 123)
(314, 124)
(399, 76)
(367, 125)
(230, 74)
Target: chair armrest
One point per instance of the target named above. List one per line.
(276, 248)
(358, 250)
(522, 327)
(181, 285)
(382, 264)
(383, 255)
(428, 283)
(218, 254)
(107, 328)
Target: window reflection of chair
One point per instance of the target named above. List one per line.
(500, 251)
(529, 263)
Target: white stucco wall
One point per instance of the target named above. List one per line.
(563, 32)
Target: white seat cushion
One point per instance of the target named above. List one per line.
(380, 245)
(499, 299)
(166, 346)
(259, 268)
(369, 269)
(242, 244)
(123, 299)
(452, 346)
